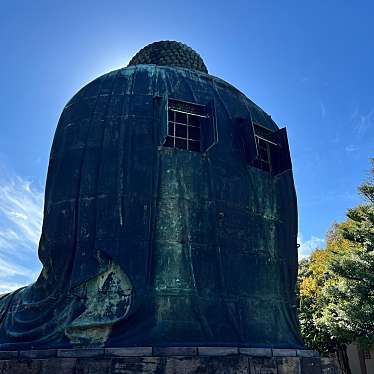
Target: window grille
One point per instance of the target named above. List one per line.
(263, 154)
(265, 149)
(184, 125)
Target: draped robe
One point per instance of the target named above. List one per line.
(148, 245)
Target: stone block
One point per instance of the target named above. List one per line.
(305, 353)
(5, 355)
(263, 365)
(39, 366)
(279, 352)
(256, 352)
(137, 365)
(218, 351)
(329, 365)
(206, 365)
(174, 351)
(218, 360)
(129, 351)
(288, 365)
(311, 365)
(20, 367)
(57, 365)
(38, 353)
(185, 365)
(83, 352)
(93, 366)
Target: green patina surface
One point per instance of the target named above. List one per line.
(148, 245)
(107, 298)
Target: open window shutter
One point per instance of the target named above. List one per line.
(209, 128)
(247, 138)
(161, 116)
(280, 157)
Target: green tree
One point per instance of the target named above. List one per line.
(348, 312)
(311, 303)
(336, 284)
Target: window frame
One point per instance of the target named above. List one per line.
(367, 355)
(195, 143)
(270, 146)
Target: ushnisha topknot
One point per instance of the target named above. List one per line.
(169, 53)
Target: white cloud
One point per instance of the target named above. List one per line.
(362, 121)
(21, 215)
(23, 207)
(323, 110)
(8, 287)
(351, 148)
(9, 269)
(308, 246)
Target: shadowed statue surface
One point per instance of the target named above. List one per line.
(170, 217)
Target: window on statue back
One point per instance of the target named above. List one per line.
(185, 121)
(266, 149)
(367, 355)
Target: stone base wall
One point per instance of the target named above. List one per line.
(166, 360)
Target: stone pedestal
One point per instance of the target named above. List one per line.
(166, 360)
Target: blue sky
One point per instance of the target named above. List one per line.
(308, 64)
